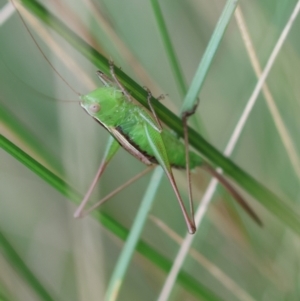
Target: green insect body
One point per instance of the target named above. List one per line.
(138, 131)
(111, 108)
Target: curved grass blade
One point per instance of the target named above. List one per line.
(13, 257)
(17, 127)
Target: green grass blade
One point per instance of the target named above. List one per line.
(116, 228)
(17, 262)
(2, 298)
(169, 48)
(4, 295)
(191, 98)
(171, 55)
(281, 210)
(116, 280)
(18, 128)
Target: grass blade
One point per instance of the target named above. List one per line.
(278, 119)
(191, 98)
(17, 127)
(13, 257)
(116, 280)
(169, 47)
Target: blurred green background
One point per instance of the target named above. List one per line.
(74, 259)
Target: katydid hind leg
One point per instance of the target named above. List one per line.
(157, 145)
(187, 165)
(184, 118)
(190, 222)
(117, 190)
(233, 192)
(111, 149)
(214, 173)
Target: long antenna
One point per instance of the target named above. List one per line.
(41, 51)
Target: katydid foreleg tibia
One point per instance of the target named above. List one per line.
(111, 149)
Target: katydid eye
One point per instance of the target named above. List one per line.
(94, 107)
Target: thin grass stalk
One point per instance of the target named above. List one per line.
(205, 263)
(173, 60)
(282, 129)
(121, 267)
(171, 55)
(191, 100)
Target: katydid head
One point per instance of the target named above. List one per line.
(102, 102)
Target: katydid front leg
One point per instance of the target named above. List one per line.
(111, 149)
(113, 74)
(151, 107)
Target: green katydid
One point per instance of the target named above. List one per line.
(139, 132)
